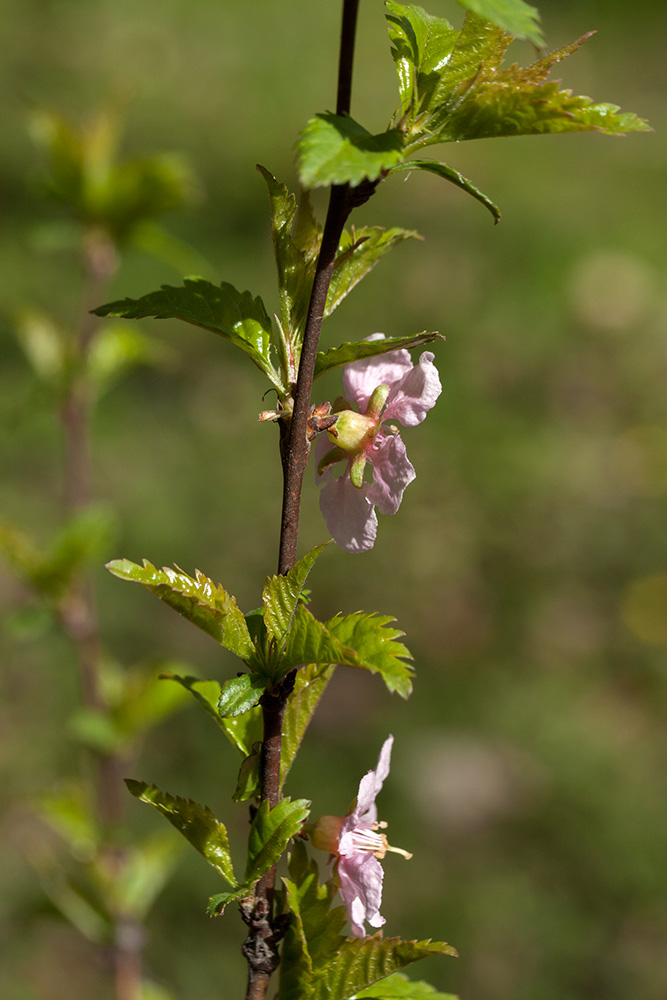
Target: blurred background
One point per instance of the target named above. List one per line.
(528, 563)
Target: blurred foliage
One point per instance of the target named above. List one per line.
(526, 564)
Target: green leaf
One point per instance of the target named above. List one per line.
(296, 243)
(345, 354)
(240, 694)
(398, 985)
(302, 702)
(47, 346)
(197, 824)
(221, 308)
(281, 595)
(449, 174)
(374, 645)
(218, 903)
(358, 253)
(360, 962)
(452, 86)
(248, 784)
(309, 641)
(206, 604)
(147, 867)
(513, 16)
(117, 348)
(335, 149)
(270, 832)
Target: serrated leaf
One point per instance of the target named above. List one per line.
(398, 985)
(346, 353)
(281, 595)
(296, 243)
(513, 16)
(360, 962)
(453, 88)
(206, 604)
(197, 824)
(309, 641)
(270, 832)
(335, 149)
(374, 644)
(235, 315)
(218, 903)
(240, 694)
(358, 253)
(449, 174)
(302, 702)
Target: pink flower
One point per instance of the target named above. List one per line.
(385, 387)
(358, 848)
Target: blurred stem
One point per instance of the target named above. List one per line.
(260, 948)
(79, 612)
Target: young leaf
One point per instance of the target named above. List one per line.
(357, 351)
(449, 174)
(358, 253)
(206, 604)
(398, 985)
(248, 782)
(375, 648)
(334, 149)
(270, 832)
(308, 689)
(513, 16)
(296, 244)
(197, 824)
(147, 867)
(281, 595)
(240, 694)
(221, 308)
(309, 641)
(360, 962)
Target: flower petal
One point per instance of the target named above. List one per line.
(415, 394)
(348, 515)
(360, 876)
(365, 813)
(392, 472)
(361, 378)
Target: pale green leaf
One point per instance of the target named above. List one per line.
(147, 866)
(270, 832)
(47, 347)
(240, 694)
(358, 253)
(374, 644)
(281, 595)
(248, 783)
(334, 149)
(360, 962)
(206, 604)
(309, 641)
(449, 174)
(513, 16)
(308, 689)
(346, 353)
(117, 348)
(197, 824)
(398, 985)
(235, 315)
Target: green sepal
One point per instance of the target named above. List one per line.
(197, 824)
(374, 644)
(308, 689)
(397, 985)
(240, 694)
(513, 16)
(235, 315)
(281, 595)
(359, 251)
(359, 350)
(335, 149)
(449, 174)
(330, 458)
(204, 603)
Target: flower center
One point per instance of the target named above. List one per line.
(369, 840)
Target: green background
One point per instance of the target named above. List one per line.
(527, 564)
